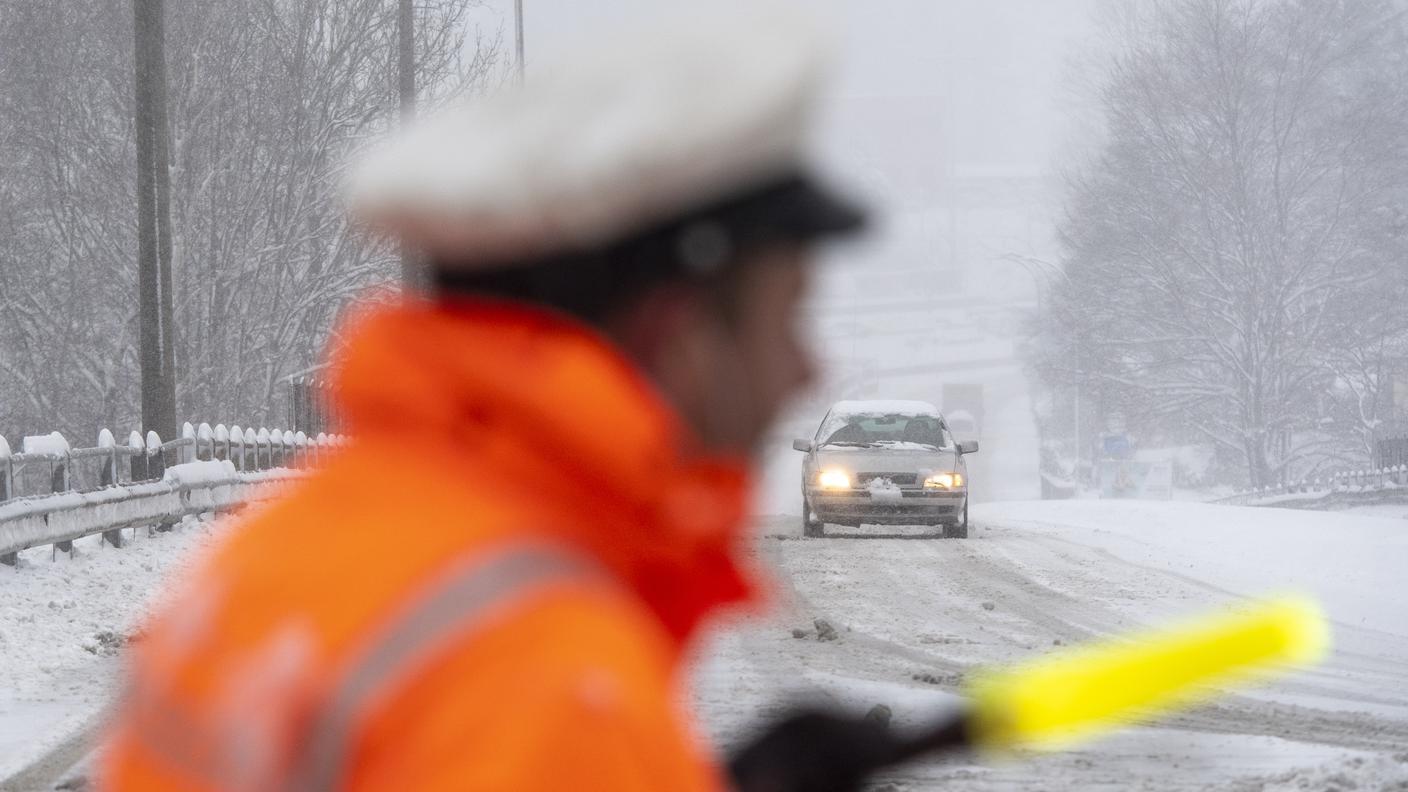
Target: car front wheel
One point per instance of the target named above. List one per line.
(811, 527)
(958, 530)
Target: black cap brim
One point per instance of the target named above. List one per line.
(795, 209)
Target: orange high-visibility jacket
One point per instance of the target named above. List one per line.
(489, 587)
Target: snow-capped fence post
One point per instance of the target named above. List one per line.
(264, 449)
(107, 477)
(276, 448)
(205, 442)
(107, 473)
(53, 449)
(237, 447)
(138, 461)
(7, 477)
(220, 443)
(156, 461)
(7, 473)
(300, 447)
(57, 450)
(251, 446)
(186, 452)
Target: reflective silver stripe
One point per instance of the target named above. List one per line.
(458, 604)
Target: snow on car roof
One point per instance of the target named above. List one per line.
(884, 407)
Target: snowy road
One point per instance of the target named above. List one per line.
(914, 615)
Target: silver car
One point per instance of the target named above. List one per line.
(884, 463)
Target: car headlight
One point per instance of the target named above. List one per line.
(834, 479)
(946, 481)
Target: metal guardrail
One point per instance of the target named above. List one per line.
(1338, 486)
(60, 518)
(56, 494)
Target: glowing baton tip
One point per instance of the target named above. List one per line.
(1058, 699)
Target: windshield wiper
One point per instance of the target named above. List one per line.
(848, 443)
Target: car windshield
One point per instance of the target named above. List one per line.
(884, 430)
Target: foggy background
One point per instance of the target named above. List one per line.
(1107, 231)
(949, 118)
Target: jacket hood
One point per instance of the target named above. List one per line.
(521, 389)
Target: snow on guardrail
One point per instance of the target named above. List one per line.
(185, 489)
(53, 493)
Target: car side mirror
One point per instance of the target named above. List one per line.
(968, 447)
(802, 445)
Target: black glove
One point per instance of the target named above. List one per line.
(816, 752)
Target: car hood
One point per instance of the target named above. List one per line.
(887, 460)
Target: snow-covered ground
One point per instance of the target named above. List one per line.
(1397, 511)
(62, 621)
(912, 616)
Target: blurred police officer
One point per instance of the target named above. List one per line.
(492, 585)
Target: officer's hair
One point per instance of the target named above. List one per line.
(592, 289)
(706, 248)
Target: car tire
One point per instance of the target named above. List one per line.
(811, 529)
(958, 530)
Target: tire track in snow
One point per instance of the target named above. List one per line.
(919, 603)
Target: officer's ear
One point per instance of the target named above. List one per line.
(654, 326)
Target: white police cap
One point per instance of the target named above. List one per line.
(705, 109)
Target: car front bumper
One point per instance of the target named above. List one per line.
(907, 507)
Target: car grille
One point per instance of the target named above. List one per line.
(899, 479)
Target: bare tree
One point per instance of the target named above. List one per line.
(267, 97)
(1221, 242)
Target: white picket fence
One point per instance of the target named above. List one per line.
(52, 494)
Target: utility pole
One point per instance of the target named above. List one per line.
(406, 88)
(158, 361)
(518, 34)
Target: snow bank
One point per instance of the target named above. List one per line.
(62, 619)
(1353, 564)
